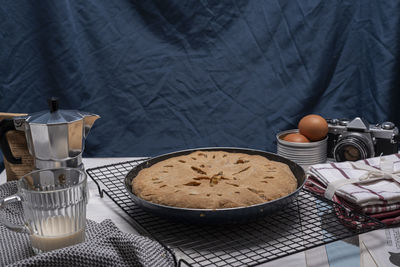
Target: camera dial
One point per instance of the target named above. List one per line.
(343, 122)
(387, 125)
(332, 121)
(353, 146)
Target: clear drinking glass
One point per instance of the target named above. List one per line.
(54, 206)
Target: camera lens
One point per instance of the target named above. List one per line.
(352, 148)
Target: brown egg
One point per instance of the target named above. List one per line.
(296, 137)
(314, 127)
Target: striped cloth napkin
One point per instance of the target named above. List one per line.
(370, 186)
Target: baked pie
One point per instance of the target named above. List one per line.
(214, 180)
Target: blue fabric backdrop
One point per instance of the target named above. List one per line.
(168, 75)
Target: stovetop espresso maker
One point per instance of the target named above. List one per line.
(55, 137)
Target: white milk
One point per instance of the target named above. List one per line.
(57, 232)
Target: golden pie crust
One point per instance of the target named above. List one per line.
(214, 180)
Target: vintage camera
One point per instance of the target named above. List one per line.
(356, 139)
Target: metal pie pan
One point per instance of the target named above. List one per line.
(216, 216)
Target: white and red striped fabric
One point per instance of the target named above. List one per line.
(378, 197)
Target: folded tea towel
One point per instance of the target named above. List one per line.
(370, 186)
(105, 245)
(373, 181)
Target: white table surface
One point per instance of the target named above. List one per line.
(341, 253)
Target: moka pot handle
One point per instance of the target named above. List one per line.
(5, 126)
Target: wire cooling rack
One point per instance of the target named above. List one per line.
(308, 222)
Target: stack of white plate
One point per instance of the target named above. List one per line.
(304, 154)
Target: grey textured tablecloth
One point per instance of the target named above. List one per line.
(105, 245)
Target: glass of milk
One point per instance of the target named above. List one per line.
(54, 204)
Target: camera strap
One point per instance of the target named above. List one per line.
(385, 172)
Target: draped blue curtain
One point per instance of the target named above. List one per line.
(166, 75)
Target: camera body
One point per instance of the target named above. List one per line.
(357, 139)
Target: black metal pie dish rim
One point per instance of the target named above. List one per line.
(128, 179)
